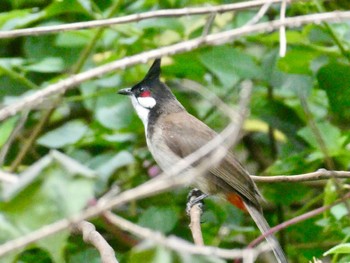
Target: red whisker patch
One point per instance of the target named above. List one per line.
(145, 93)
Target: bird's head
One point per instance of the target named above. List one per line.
(150, 93)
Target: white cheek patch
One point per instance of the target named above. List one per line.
(147, 102)
(141, 111)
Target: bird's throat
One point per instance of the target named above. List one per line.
(141, 111)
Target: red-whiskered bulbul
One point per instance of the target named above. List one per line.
(172, 133)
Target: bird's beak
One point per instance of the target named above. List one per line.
(126, 91)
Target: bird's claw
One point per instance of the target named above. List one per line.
(195, 197)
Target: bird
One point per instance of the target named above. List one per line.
(172, 134)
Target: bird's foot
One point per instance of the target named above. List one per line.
(195, 197)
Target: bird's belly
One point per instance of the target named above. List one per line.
(161, 153)
(166, 159)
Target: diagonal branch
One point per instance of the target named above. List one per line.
(186, 46)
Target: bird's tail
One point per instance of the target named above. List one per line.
(264, 227)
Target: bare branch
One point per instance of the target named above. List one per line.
(134, 18)
(314, 176)
(8, 177)
(194, 211)
(212, 39)
(178, 244)
(91, 236)
(195, 225)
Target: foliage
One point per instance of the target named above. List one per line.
(303, 97)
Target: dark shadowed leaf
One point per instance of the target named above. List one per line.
(334, 78)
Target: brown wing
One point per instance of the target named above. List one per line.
(227, 177)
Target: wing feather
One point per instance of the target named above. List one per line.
(228, 176)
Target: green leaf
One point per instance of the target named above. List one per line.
(67, 134)
(298, 60)
(109, 166)
(330, 192)
(48, 48)
(18, 18)
(14, 85)
(330, 135)
(292, 164)
(66, 6)
(91, 254)
(154, 254)
(230, 64)
(160, 219)
(119, 137)
(278, 115)
(339, 249)
(73, 38)
(86, 4)
(290, 194)
(6, 129)
(184, 66)
(339, 211)
(191, 258)
(106, 165)
(116, 116)
(47, 191)
(47, 65)
(334, 78)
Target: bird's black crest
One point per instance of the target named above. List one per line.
(154, 72)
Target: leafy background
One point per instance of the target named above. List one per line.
(298, 123)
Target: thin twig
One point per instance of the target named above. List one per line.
(262, 11)
(332, 33)
(91, 236)
(186, 46)
(31, 140)
(92, 43)
(322, 144)
(314, 176)
(12, 137)
(133, 18)
(283, 38)
(209, 24)
(317, 133)
(176, 243)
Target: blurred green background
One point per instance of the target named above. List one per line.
(299, 122)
